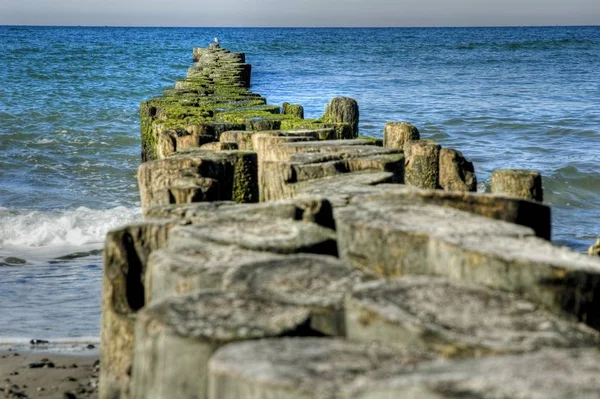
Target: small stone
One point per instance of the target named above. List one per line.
(69, 395)
(71, 379)
(43, 364)
(15, 391)
(38, 342)
(90, 346)
(74, 366)
(40, 389)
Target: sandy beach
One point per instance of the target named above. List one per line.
(37, 373)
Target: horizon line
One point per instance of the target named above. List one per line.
(300, 26)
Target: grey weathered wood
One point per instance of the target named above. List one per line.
(562, 280)
(265, 144)
(343, 110)
(258, 234)
(204, 266)
(456, 319)
(125, 265)
(456, 173)
(279, 178)
(422, 163)
(234, 171)
(510, 209)
(126, 251)
(594, 250)
(175, 337)
(396, 134)
(188, 211)
(242, 138)
(393, 238)
(341, 189)
(285, 150)
(220, 146)
(317, 281)
(313, 209)
(565, 373)
(303, 368)
(519, 183)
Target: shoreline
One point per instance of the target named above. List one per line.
(48, 372)
(56, 346)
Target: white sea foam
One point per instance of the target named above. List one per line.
(61, 231)
(70, 346)
(45, 141)
(483, 186)
(54, 341)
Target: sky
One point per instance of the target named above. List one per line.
(222, 13)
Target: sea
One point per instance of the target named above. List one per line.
(515, 97)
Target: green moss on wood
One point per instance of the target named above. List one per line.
(149, 141)
(213, 93)
(376, 141)
(245, 178)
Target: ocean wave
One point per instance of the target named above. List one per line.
(44, 141)
(20, 229)
(573, 187)
(531, 44)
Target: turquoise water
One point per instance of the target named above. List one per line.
(69, 128)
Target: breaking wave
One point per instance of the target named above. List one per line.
(21, 229)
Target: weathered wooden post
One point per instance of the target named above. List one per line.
(520, 183)
(594, 250)
(456, 173)
(422, 167)
(293, 109)
(343, 110)
(396, 134)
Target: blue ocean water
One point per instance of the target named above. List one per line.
(69, 128)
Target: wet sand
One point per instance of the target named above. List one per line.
(47, 374)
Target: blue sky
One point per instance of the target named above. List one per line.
(300, 13)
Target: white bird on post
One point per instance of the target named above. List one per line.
(216, 42)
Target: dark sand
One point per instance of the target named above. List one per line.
(63, 375)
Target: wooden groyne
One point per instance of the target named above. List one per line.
(283, 257)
